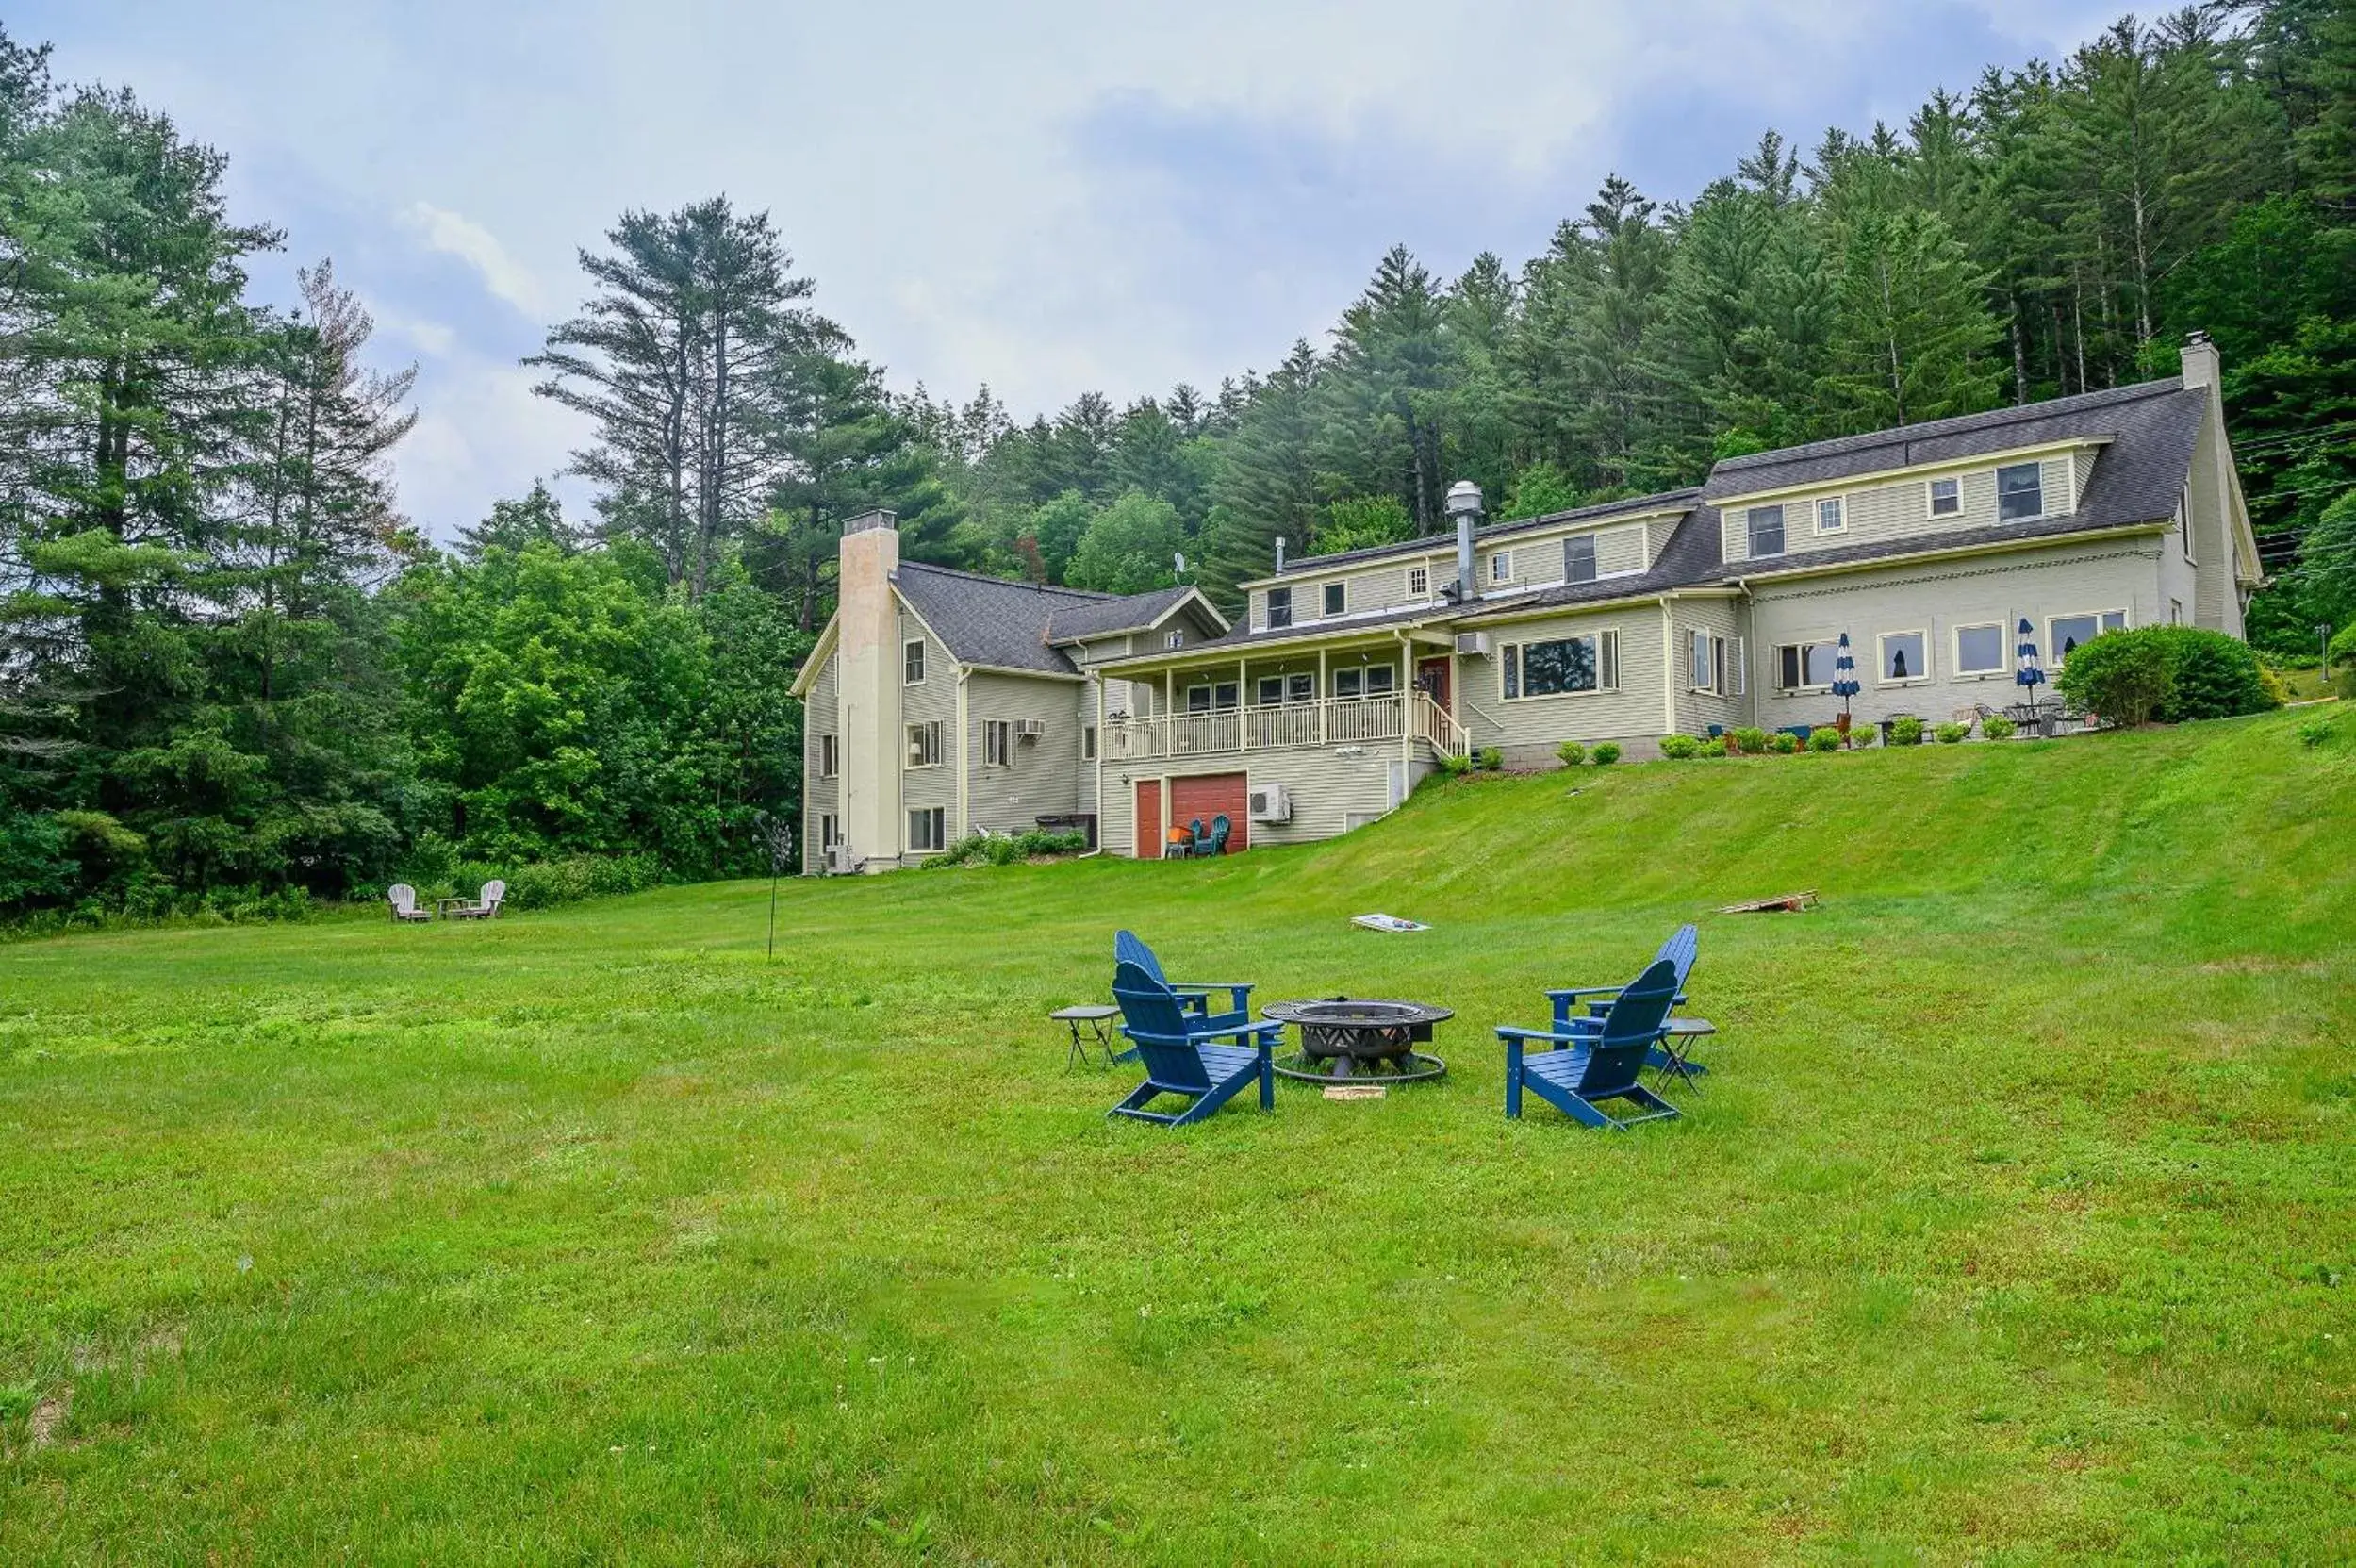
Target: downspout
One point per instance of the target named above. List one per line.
(1669, 668)
(1750, 630)
(1095, 681)
(964, 761)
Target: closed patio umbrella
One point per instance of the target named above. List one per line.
(2026, 670)
(1844, 680)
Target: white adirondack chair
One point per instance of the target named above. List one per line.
(404, 899)
(486, 908)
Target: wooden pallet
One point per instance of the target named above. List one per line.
(1781, 903)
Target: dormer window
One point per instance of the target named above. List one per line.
(1946, 497)
(1767, 531)
(1578, 558)
(1419, 581)
(1175, 639)
(1501, 567)
(2020, 492)
(1337, 598)
(1830, 516)
(1279, 608)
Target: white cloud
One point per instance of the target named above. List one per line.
(1051, 197)
(456, 234)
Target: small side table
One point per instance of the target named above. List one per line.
(1098, 1017)
(1673, 1056)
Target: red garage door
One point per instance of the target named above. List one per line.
(1206, 796)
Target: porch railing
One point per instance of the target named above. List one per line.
(1329, 721)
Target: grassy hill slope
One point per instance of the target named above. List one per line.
(2016, 1224)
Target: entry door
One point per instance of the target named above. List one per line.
(1431, 675)
(1149, 819)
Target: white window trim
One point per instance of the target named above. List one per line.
(1267, 608)
(1723, 650)
(1175, 639)
(940, 838)
(2043, 511)
(908, 747)
(2003, 629)
(830, 757)
(1817, 513)
(2053, 644)
(1776, 671)
(1087, 743)
(1881, 663)
(1501, 566)
(924, 661)
(1324, 593)
(829, 831)
(2184, 523)
(1421, 591)
(1600, 688)
(1929, 500)
(994, 730)
(1750, 535)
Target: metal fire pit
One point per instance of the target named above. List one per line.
(1344, 1040)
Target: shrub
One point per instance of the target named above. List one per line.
(1750, 738)
(1950, 734)
(1905, 732)
(1824, 738)
(1997, 727)
(1782, 743)
(999, 849)
(1714, 748)
(1571, 753)
(1491, 759)
(2170, 674)
(1607, 754)
(1680, 748)
(1456, 767)
(2314, 732)
(1863, 735)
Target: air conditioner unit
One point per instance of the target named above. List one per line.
(1472, 645)
(838, 862)
(1272, 803)
(1029, 728)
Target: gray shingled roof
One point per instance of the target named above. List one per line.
(1102, 616)
(992, 620)
(1941, 440)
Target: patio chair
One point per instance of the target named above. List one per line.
(1179, 1061)
(1217, 843)
(1680, 951)
(1584, 1070)
(485, 908)
(1195, 995)
(404, 899)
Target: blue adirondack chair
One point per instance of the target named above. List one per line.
(1585, 1068)
(1195, 995)
(1217, 843)
(1683, 946)
(1179, 1061)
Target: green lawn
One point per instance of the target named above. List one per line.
(2018, 1224)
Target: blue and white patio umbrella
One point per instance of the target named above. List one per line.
(1844, 677)
(2026, 670)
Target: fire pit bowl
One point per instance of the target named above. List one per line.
(1345, 1039)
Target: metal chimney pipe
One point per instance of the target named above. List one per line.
(1279, 555)
(1464, 504)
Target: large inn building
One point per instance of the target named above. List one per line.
(940, 702)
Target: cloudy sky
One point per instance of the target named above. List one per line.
(1047, 198)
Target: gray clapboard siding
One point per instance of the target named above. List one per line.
(821, 715)
(1040, 776)
(1877, 511)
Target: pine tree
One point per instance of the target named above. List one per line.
(1266, 487)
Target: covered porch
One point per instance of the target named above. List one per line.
(1392, 687)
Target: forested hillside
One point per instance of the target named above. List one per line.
(232, 669)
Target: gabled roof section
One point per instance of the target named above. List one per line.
(2112, 415)
(1136, 612)
(1004, 623)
